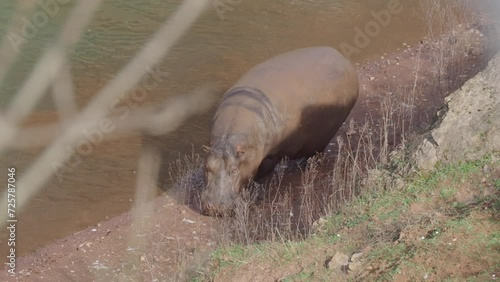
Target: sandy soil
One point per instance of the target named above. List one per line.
(109, 250)
(176, 236)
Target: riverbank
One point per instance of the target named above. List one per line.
(430, 215)
(175, 236)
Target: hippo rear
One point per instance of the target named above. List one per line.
(290, 105)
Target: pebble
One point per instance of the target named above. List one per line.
(355, 266)
(486, 169)
(494, 159)
(338, 260)
(356, 257)
(188, 221)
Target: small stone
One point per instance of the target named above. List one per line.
(372, 78)
(356, 257)
(486, 169)
(495, 159)
(355, 266)
(188, 221)
(476, 51)
(320, 223)
(399, 183)
(338, 260)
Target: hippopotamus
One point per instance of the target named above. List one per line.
(288, 106)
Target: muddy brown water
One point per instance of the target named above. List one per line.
(217, 49)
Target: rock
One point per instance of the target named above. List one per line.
(470, 129)
(486, 169)
(399, 183)
(356, 257)
(495, 159)
(426, 155)
(338, 261)
(353, 266)
(377, 178)
(319, 224)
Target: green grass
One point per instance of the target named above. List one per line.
(357, 220)
(231, 256)
(380, 215)
(493, 242)
(447, 193)
(460, 224)
(390, 252)
(302, 276)
(390, 205)
(497, 184)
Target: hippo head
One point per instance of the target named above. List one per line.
(227, 169)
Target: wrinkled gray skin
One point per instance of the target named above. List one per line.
(290, 105)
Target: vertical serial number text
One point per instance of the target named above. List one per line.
(11, 220)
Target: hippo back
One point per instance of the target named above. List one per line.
(312, 91)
